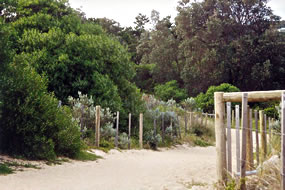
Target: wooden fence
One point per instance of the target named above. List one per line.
(190, 119)
(246, 163)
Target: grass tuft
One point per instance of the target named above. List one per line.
(86, 156)
(5, 169)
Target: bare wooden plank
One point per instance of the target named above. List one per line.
(256, 136)
(130, 124)
(229, 138)
(256, 96)
(238, 138)
(97, 130)
(220, 138)
(244, 131)
(283, 141)
(117, 130)
(141, 131)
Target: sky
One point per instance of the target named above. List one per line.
(125, 11)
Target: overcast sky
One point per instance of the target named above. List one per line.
(125, 11)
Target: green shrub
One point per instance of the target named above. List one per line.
(123, 141)
(170, 90)
(206, 101)
(5, 169)
(32, 124)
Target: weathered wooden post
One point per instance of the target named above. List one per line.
(117, 130)
(229, 137)
(269, 130)
(263, 136)
(130, 124)
(220, 137)
(185, 122)
(97, 129)
(141, 131)
(179, 129)
(249, 150)
(283, 141)
(191, 119)
(233, 118)
(238, 138)
(256, 136)
(154, 127)
(206, 122)
(244, 131)
(162, 126)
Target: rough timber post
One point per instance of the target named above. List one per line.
(130, 124)
(244, 131)
(256, 136)
(97, 125)
(206, 121)
(141, 131)
(229, 138)
(249, 144)
(282, 141)
(220, 137)
(238, 138)
(263, 136)
(185, 122)
(117, 130)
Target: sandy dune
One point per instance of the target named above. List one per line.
(178, 168)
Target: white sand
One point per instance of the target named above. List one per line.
(172, 169)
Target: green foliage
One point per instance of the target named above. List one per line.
(143, 78)
(106, 145)
(32, 124)
(170, 90)
(206, 101)
(5, 169)
(86, 156)
(123, 141)
(271, 112)
(75, 55)
(189, 104)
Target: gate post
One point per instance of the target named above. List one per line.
(220, 137)
(282, 141)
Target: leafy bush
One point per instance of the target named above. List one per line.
(170, 90)
(123, 140)
(32, 124)
(271, 112)
(153, 140)
(206, 101)
(189, 104)
(107, 131)
(84, 112)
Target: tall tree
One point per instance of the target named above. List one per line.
(222, 39)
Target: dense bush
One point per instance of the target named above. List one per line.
(32, 124)
(170, 90)
(206, 101)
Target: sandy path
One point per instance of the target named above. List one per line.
(128, 170)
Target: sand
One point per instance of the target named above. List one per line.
(178, 168)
